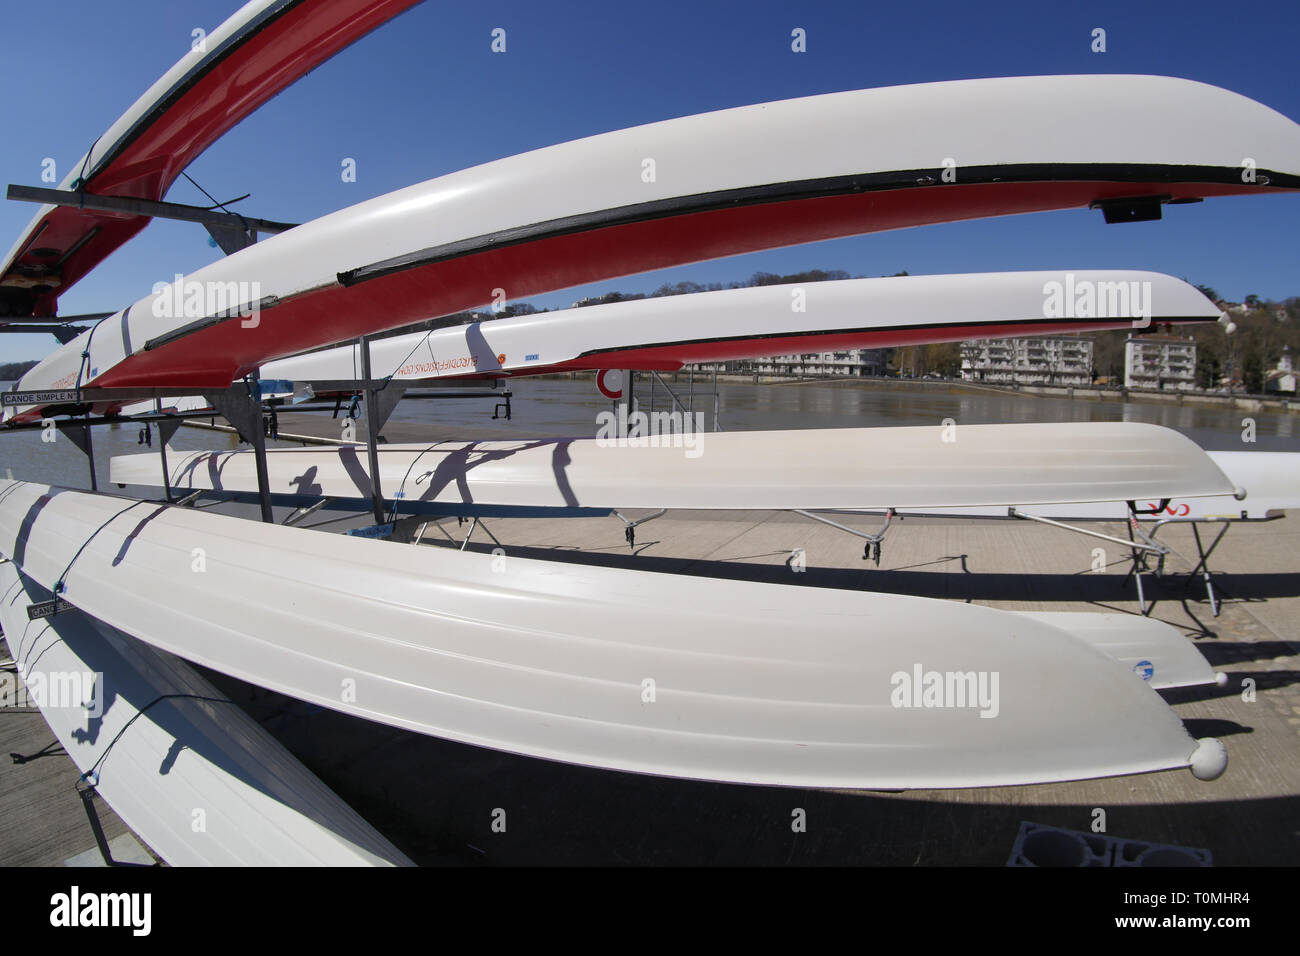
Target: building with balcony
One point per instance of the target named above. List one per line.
(1160, 362)
(1064, 360)
(843, 363)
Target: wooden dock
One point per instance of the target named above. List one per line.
(43, 818)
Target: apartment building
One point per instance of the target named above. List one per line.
(1066, 360)
(842, 363)
(1160, 362)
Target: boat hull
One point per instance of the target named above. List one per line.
(664, 333)
(906, 468)
(705, 679)
(201, 782)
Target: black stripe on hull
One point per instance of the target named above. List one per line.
(810, 189)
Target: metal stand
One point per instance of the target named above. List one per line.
(688, 407)
(1142, 546)
(80, 435)
(231, 231)
(87, 795)
(1202, 566)
(630, 525)
(372, 431)
(244, 412)
(474, 523)
(166, 429)
(873, 538)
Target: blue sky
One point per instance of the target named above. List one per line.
(424, 96)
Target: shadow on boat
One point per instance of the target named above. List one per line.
(952, 578)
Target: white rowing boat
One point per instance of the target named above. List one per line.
(718, 680)
(193, 775)
(663, 334)
(907, 468)
(1152, 649)
(1267, 483)
(262, 48)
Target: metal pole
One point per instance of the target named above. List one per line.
(162, 451)
(257, 436)
(717, 398)
(167, 481)
(143, 207)
(90, 455)
(372, 432)
(1134, 544)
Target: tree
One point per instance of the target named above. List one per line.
(1209, 369)
(677, 288)
(941, 357)
(16, 370)
(1252, 373)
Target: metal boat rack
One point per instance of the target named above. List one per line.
(252, 415)
(1146, 554)
(1143, 547)
(874, 539)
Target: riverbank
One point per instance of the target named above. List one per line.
(1093, 393)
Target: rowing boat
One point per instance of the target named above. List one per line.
(730, 681)
(195, 777)
(662, 466)
(225, 76)
(663, 334)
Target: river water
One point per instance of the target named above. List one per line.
(547, 407)
(555, 407)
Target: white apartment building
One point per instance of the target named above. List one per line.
(1028, 361)
(1164, 362)
(842, 363)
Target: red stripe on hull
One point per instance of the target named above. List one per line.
(338, 314)
(281, 52)
(670, 358)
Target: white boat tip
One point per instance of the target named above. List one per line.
(1221, 678)
(1209, 759)
(1239, 493)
